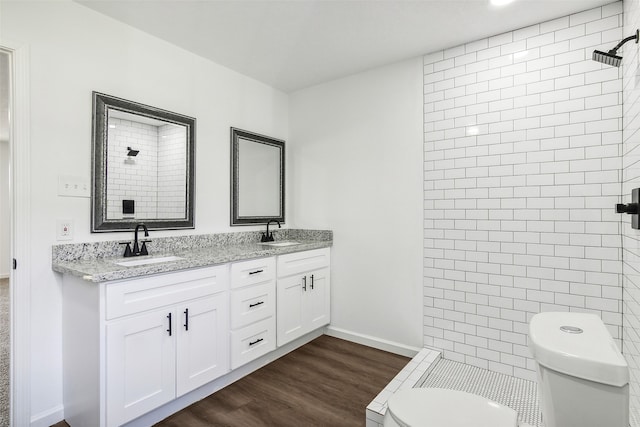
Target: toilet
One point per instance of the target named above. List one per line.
(583, 380)
(439, 407)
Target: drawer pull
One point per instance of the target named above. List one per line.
(169, 317)
(304, 283)
(256, 341)
(255, 272)
(186, 319)
(256, 304)
(312, 281)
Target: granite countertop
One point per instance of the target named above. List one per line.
(104, 268)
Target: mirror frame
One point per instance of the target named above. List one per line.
(236, 219)
(99, 222)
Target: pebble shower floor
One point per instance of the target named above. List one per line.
(516, 393)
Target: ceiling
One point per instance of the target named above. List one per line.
(293, 44)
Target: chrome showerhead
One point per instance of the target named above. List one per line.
(610, 58)
(131, 152)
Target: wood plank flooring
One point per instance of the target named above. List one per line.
(327, 382)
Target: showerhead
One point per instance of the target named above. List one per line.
(131, 152)
(610, 58)
(607, 58)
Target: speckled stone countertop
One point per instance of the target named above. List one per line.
(96, 262)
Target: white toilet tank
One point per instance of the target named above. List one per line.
(583, 379)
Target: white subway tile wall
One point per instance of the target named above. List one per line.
(522, 141)
(631, 237)
(132, 177)
(155, 178)
(172, 164)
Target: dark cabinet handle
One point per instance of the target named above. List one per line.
(256, 304)
(312, 281)
(186, 319)
(255, 272)
(169, 317)
(256, 341)
(304, 283)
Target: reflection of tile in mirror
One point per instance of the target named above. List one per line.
(155, 177)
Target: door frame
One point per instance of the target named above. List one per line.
(20, 195)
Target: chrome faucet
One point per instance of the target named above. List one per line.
(137, 250)
(268, 237)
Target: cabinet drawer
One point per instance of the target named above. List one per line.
(253, 303)
(301, 262)
(252, 272)
(133, 296)
(252, 342)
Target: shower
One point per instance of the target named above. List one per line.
(610, 58)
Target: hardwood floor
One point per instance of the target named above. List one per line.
(327, 382)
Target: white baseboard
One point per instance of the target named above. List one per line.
(49, 417)
(375, 342)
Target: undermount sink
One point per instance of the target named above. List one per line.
(280, 244)
(136, 262)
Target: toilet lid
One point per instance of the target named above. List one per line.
(437, 407)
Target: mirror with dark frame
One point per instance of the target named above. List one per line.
(143, 166)
(257, 178)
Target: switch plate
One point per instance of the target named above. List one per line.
(73, 186)
(64, 229)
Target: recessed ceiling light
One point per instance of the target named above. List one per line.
(500, 2)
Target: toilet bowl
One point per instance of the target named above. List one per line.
(437, 407)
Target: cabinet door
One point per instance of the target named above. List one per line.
(202, 347)
(140, 365)
(317, 299)
(290, 316)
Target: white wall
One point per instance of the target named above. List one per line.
(522, 171)
(355, 167)
(631, 180)
(74, 51)
(5, 211)
(5, 219)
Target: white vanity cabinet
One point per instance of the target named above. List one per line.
(303, 293)
(253, 310)
(135, 349)
(134, 345)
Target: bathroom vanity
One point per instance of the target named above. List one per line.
(165, 334)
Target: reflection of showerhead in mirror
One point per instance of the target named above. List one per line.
(132, 152)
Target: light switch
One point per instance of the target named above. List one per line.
(73, 186)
